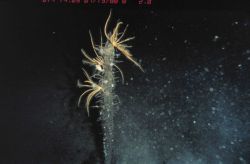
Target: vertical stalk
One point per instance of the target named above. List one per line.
(107, 112)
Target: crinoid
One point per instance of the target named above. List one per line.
(93, 90)
(115, 39)
(97, 61)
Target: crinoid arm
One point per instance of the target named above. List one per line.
(87, 75)
(106, 26)
(92, 43)
(80, 85)
(122, 76)
(80, 98)
(126, 53)
(90, 60)
(90, 97)
(122, 33)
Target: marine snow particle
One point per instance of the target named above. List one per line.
(211, 89)
(162, 113)
(216, 37)
(241, 159)
(236, 22)
(206, 69)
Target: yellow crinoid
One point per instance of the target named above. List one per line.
(93, 90)
(115, 39)
(97, 61)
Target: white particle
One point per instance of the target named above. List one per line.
(162, 113)
(236, 22)
(206, 69)
(169, 113)
(156, 38)
(222, 147)
(194, 122)
(241, 158)
(213, 110)
(239, 65)
(163, 59)
(247, 51)
(211, 89)
(216, 37)
(131, 78)
(232, 103)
